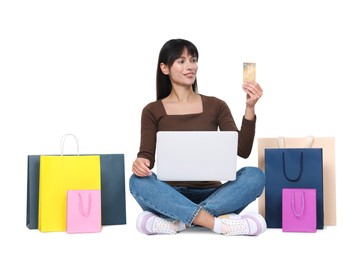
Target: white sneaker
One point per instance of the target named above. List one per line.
(230, 216)
(251, 224)
(150, 224)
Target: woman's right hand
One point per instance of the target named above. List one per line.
(141, 167)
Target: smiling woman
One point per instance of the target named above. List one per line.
(173, 58)
(183, 71)
(172, 206)
(182, 75)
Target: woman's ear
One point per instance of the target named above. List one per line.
(164, 68)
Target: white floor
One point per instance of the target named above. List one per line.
(125, 242)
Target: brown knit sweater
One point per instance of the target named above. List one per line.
(216, 115)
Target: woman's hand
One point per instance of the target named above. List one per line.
(141, 167)
(253, 93)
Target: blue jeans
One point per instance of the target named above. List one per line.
(184, 203)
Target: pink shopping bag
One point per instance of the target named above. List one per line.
(299, 210)
(83, 211)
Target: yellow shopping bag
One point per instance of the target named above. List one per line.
(59, 173)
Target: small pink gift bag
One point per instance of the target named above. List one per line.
(299, 210)
(83, 211)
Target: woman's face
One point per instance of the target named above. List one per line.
(183, 70)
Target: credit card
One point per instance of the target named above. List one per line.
(248, 71)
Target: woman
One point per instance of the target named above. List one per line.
(170, 207)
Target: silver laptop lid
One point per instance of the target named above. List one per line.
(196, 155)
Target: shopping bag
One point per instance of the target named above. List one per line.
(299, 210)
(113, 205)
(59, 173)
(328, 156)
(83, 211)
(32, 191)
(291, 168)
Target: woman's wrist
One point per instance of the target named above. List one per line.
(249, 113)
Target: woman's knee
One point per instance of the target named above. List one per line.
(135, 182)
(259, 175)
(254, 176)
(131, 181)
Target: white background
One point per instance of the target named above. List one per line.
(88, 68)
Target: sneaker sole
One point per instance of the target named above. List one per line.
(142, 220)
(262, 225)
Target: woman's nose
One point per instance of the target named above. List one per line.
(190, 65)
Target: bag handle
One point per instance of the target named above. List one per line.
(280, 141)
(309, 141)
(63, 139)
(80, 205)
(293, 203)
(300, 172)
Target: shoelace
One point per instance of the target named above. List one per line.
(163, 226)
(236, 227)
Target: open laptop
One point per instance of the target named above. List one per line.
(196, 155)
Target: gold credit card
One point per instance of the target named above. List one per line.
(248, 71)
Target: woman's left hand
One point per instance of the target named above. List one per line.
(253, 93)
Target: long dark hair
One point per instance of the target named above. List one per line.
(171, 51)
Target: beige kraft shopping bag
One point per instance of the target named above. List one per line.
(328, 148)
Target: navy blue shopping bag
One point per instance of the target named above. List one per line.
(292, 168)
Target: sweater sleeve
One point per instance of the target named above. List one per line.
(246, 132)
(246, 137)
(148, 133)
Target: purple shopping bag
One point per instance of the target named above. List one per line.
(299, 210)
(83, 211)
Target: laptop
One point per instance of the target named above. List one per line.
(196, 155)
